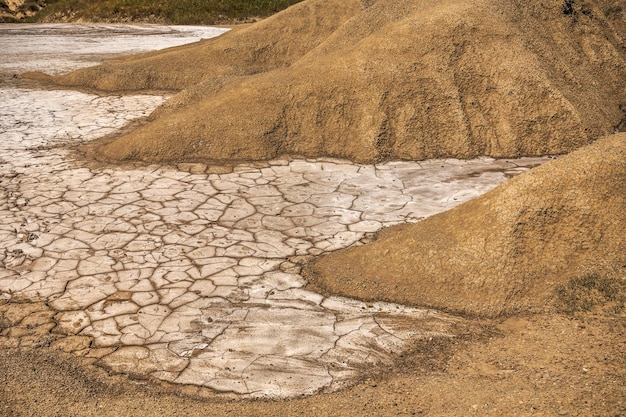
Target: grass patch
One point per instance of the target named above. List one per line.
(175, 12)
(589, 291)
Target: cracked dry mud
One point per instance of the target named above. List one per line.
(186, 275)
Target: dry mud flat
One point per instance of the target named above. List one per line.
(191, 276)
(566, 359)
(195, 278)
(60, 48)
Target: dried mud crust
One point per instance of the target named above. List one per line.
(172, 272)
(504, 252)
(194, 278)
(516, 367)
(547, 364)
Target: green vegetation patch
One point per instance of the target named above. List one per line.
(176, 12)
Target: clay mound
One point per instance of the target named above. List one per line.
(272, 43)
(395, 79)
(504, 252)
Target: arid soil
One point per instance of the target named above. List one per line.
(504, 252)
(530, 365)
(390, 79)
(566, 358)
(538, 264)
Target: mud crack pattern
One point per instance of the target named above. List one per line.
(188, 276)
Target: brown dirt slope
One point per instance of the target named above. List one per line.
(504, 252)
(385, 79)
(246, 50)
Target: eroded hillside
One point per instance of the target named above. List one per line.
(392, 79)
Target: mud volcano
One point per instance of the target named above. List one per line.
(398, 79)
(401, 79)
(392, 79)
